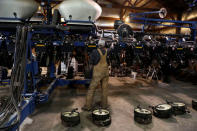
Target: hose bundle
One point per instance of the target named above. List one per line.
(16, 82)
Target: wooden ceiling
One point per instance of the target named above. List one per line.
(123, 7)
(173, 6)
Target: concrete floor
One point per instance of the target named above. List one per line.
(124, 95)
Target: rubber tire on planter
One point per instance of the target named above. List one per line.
(194, 104)
(124, 30)
(142, 116)
(162, 113)
(69, 119)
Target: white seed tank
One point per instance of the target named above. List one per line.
(80, 10)
(23, 9)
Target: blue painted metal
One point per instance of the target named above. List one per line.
(146, 13)
(140, 18)
(27, 108)
(0, 42)
(122, 44)
(134, 17)
(62, 82)
(4, 83)
(31, 99)
(36, 97)
(79, 21)
(52, 70)
(193, 3)
(5, 18)
(78, 43)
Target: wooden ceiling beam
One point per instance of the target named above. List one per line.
(108, 18)
(128, 7)
(146, 3)
(114, 5)
(138, 2)
(135, 3)
(122, 12)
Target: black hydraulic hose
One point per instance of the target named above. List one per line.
(9, 107)
(17, 79)
(43, 26)
(16, 99)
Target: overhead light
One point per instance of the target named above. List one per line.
(127, 20)
(42, 4)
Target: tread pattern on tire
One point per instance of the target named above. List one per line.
(101, 120)
(194, 104)
(70, 121)
(142, 118)
(106, 122)
(162, 113)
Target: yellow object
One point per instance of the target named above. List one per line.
(138, 47)
(40, 45)
(179, 48)
(100, 74)
(91, 46)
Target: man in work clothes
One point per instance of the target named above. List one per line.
(100, 75)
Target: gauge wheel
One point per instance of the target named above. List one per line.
(194, 104)
(178, 108)
(106, 122)
(163, 111)
(142, 116)
(162, 114)
(70, 119)
(100, 115)
(124, 30)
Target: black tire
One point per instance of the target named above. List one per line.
(143, 117)
(96, 116)
(71, 120)
(70, 124)
(163, 113)
(142, 114)
(179, 110)
(106, 122)
(141, 120)
(194, 104)
(124, 30)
